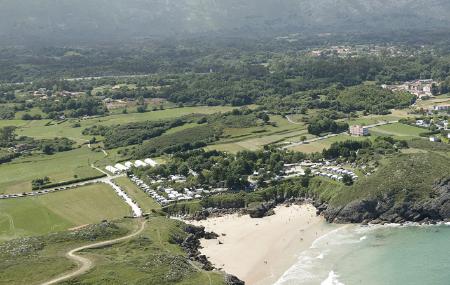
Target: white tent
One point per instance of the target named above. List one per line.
(139, 163)
(150, 162)
(120, 167)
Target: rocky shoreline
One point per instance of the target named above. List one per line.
(378, 210)
(386, 210)
(191, 244)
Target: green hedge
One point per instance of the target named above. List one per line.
(53, 185)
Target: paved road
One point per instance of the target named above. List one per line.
(137, 211)
(333, 135)
(85, 264)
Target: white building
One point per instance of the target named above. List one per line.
(358, 130)
(112, 169)
(435, 139)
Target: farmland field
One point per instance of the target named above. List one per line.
(17, 176)
(254, 138)
(59, 211)
(41, 129)
(398, 130)
(373, 119)
(318, 146)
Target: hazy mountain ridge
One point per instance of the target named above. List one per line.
(123, 19)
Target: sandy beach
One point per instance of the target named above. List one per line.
(259, 251)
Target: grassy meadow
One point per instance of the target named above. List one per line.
(49, 129)
(237, 139)
(17, 175)
(59, 211)
(320, 145)
(398, 130)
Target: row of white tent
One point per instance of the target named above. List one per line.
(119, 167)
(152, 193)
(341, 171)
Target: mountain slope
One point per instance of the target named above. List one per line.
(27, 20)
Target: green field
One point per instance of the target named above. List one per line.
(16, 176)
(372, 119)
(47, 129)
(254, 138)
(59, 211)
(397, 130)
(33, 111)
(320, 145)
(143, 200)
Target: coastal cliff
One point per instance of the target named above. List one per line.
(386, 209)
(409, 188)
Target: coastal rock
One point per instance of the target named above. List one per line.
(206, 264)
(390, 208)
(354, 212)
(233, 280)
(200, 215)
(210, 235)
(262, 210)
(191, 244)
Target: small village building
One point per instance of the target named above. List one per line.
(441, 108)
(358, 130)
(112, 169)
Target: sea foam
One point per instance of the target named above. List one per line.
(332, 279)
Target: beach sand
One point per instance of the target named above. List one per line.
(259, 251)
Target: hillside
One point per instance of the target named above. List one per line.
(153, 257)
(408, 187)
(68, 20)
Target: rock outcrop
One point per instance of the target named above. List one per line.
(191, 244)
(262, 210)
(392, 209)
(233, 280)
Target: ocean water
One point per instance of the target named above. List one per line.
(375, 255)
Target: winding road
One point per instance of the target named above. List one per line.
(85, 264)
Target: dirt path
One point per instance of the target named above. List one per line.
(85, 264)
(292, 121)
